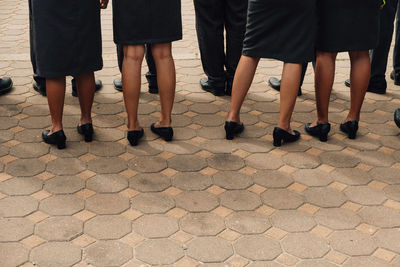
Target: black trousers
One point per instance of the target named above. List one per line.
(149, 59)
(212, 17)
(379, 56)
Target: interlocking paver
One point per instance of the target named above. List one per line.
(311, 247)
(365, 195)
(62, 228)
(381, 216)
(13, 254)
(107, 183)
(209, 249)
(258, 248)
(226, 162)
(155, 226)
(107, 204)
(17, 206)
(351, 176)
(64, 185)
(197, 201)
(66, 166)
(149, 182)
(21, 186)
(106, 227)
(365, 261)
(324, 197)
(202, 224)
(159, 252)
(248, 222)
(56, 254)
(108, 253)
(15, 229)
(25, 167)
(337, 218)
(58, 205)
(282, 199)
(231, 180)
(240, 200)
(191, 181)
(153, 203)
(352, 243)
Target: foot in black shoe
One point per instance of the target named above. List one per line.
(58, 138)
(395, 77)
(233, 129)
(347, 83)
(87, 131)
(165, 133)
(215, 88)
(350, 128)
(118, 84)
(320, 130)
(397, 117)
(98, 85)
(134, 137)
(377, 86)
(5, 85)
(229, 85)
(281, 135)
(40, 88)
(153, 84)
(275, 84)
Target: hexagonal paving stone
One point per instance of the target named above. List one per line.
(191, 181)
(108, 253)
(325, 197)
(107, 149)
(107, 109)
(63, 228)
(351, 176)
(293, 221)
(64, 185)
(225, 162)
(107, 183)
(13, 254)
(148, 164)
(108, 227)
(337, 218)
(181, 148)
(107, 165)
(153, 203)
(386, 175)
(381, 216)
(159, 252)
(366, 261)
(56, 254)
(34, 122)
(17, 206)
(107, 204)
(301, 160)
(248, 222)
(197, 201)
(240, 200)
(393, 192)
(7, 123)
(66, 166)
(187, 163)
(312, 177)
(15, 229)
(265, 264)
(272, 179)
(311, 247)
(62, 205)
(29, 150)
(352, 243)
(231, 180)
(264, 161)
(315, 263)
(21, 186)
(365, 195)
(202, 224)
(258, 247)
(282, 199)
(388, 239)
(150, 182)
(155, 226)
(339, 159)
(25, 167)
(209, 249)
(375, 158)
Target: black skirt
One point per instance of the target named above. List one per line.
(66, 37)
(348, 25)
(147, 21)
(281, 29)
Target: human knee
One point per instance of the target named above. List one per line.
(134, 53)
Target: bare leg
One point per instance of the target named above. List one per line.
(359, 76)
(55, 88)
(86, 88)
(241, 84)
(166, 79)
(131, 81)
(291, 76)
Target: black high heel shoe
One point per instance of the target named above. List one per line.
(232, 129)
(87, 131)
(320, 130)
(350, 128)
(58, 138)
(134, 137)
(165, 133)
(281, 135)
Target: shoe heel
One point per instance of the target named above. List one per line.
(61, 145)
(352, 135)
(323, 137)
(277, 142)
(88, 138)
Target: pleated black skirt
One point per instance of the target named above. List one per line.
(147, 21)
(66, 37)
(348, 25)
(281, 29)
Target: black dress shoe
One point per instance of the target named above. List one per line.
(392, 75)
(215, 88)
(347, 82)
(134, 137)
(397, 117)
(350, 128)
(165, 133)
(320, 130)
(118, 84)
(233, 129)
(98, 85)
(87, 131)
(377, 86)
(58, 138)
(275, 84)
(40, 88)
(229, 85)
(281, 135)
(5, 85)
(153, 84)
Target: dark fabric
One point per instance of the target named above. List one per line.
(66, 37)
(149, 59)
(212, 17)
(147, 21)
(348, 25)
(281, 29)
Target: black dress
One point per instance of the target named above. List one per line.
(348, 25)
(147, 21)
(66, 37)
(281, 29)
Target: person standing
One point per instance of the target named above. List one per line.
(5, 85)
(137, 23)
(212, 17)
(275, 83)
(344, 26)
(397, 117)
(294, 22)
(66, 38)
